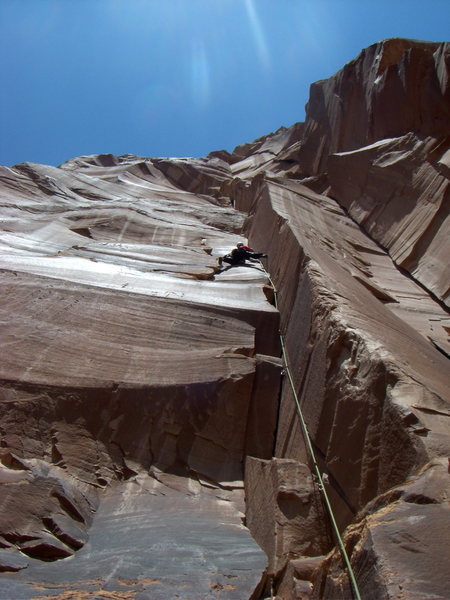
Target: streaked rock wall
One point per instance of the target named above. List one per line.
(132, 372)
(379, 129)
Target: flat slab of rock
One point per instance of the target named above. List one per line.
(12, 561)
(154, 542)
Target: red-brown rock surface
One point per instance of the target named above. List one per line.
(141, 386)
(125, 357)
(380, 130)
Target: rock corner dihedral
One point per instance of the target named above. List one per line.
(151, 446)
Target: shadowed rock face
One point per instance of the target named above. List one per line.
(147, 430)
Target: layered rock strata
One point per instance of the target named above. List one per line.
(133, 376)
(142, 387)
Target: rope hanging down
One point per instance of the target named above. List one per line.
(310, 449)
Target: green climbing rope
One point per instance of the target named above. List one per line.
(312, 454)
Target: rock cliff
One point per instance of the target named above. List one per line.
(151, 443)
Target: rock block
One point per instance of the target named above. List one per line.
(298, 579)
(284, 511)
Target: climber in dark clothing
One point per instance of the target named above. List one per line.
(240, 254)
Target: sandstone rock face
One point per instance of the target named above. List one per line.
(380, 130)
(406, 523)
(411, 221)
(374, 390)
(126, 357)
(393, 87)
(357, 331)
(284, 511)
(148, 426)
(376, 138)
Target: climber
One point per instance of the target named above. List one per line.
(240, 254)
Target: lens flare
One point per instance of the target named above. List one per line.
(258, 34)
(200, 75)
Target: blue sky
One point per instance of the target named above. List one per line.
(177, 77)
